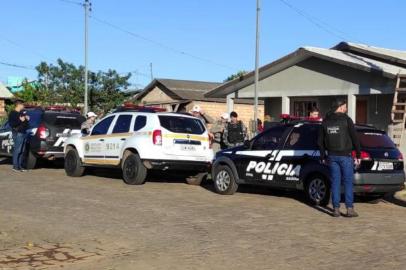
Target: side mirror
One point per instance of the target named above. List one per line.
(84, 131)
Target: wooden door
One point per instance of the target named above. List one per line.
(361, 111)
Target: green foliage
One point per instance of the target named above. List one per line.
(235, 75)
(63, 83)
(2, 120)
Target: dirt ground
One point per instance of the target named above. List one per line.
(51, 221)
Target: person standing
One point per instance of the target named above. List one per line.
(18, 120)
(88, 124)
(199, 113)
(338, 138)
(216, 133)
(315, 113)
(235, 132)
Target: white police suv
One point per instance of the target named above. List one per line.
(138, 139)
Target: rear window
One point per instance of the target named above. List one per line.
(35, 118)
(64, 120)
(375, 139)
(179, 124)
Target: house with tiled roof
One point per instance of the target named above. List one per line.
(371, 79)
(5, 94)
(182, 95)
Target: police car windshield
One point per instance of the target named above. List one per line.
(375, 139)
(180, 124)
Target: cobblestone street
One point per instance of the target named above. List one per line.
(48, 220)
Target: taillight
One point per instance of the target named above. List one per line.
(400, 156)
(364, 155)
(42, 132)
(157, 137)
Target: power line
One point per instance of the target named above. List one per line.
(334, 31)
(16, 65)
(159, 44)
(72, 2)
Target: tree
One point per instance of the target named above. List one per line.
(63, 83)
(235, 75)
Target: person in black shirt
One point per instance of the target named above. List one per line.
(338, 138)
(235, 132)
(18, 120)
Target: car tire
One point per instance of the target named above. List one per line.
(317, 190)
(224, 180)
(31, 160)
(197, 179)
(72, 164)
(134, 172)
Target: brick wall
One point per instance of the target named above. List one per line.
(215, 109)
(2, 107)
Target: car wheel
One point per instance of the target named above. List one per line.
(224, 180)
(317, 190)
(73, 166)
(31, 160)
(196, 179)
(134, 172)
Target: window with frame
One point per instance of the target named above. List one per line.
(102, 127)
(303, 108)
(303, 138)
(140, 122)
(269, 139)
(122, 124)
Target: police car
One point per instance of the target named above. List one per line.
(48, 129)
(286, 156)
(138, 139)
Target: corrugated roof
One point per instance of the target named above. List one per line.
(356, 61)
(4, 92)
(383, 54)
(388, 62)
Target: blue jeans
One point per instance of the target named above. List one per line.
(341, 171)
(19, 140)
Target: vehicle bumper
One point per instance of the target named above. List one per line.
(379, 182)
(181, 165)
(50, 154)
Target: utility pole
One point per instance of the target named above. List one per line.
(150, 69)
(256, 68)
(88, 7)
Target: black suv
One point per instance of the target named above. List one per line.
(47, 132)
(286, 156)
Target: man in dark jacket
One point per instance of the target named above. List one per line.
(235, 133)
(18, 120)
(338, 138)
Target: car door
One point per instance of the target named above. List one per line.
(257, 163)
(6, 140)
(94, 144)
(115, 141)
(300, 152)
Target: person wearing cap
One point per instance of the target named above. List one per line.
(199, 113)
(235, 132)
(88, 124)
(216, 133)
(19, 121)
(337, 138)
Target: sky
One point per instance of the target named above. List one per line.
(193, 40)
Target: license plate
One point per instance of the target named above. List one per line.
(187, 148)
(385, 166)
